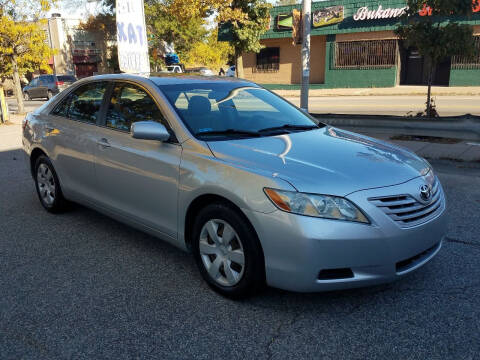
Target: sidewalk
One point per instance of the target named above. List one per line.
(11, 133)
(390, 91)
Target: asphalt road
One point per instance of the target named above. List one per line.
(81, 285)
(391, 105)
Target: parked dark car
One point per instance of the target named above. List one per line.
(46, 86)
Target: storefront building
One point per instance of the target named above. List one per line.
(78, 52)
(353, 45)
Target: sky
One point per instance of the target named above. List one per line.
(78, 9)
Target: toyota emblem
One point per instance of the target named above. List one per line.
(425, 192)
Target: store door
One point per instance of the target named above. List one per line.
(414, 68)
(84, 70)
(442, 73)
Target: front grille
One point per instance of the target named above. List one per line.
(406, 210)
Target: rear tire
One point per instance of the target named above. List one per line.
(47, 185)
(222, 240)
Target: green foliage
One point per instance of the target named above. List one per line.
(437, 40)
(211, 53)
(249, 19)
(171, 26)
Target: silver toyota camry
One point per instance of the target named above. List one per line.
(258, 191)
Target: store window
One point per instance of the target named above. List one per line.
(268, 59)
(371, 54)
(462, 62)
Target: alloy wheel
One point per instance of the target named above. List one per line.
(221, 251)
(46, 184)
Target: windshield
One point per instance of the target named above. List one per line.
(224, 110)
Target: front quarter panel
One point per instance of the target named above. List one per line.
(203, 174)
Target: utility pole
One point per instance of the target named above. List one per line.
(306, 11)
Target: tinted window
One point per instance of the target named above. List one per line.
(43, 80)
(34, 82)
(129, 104)
(85, 102)
(66, 78)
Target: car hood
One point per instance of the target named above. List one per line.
(325, 161)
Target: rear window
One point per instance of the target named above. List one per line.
(66, 78)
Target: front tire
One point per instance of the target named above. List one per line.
(227, 251)
(48, 186)
(49, 94)
(26, 97)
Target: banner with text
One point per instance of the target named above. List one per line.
(132, 37)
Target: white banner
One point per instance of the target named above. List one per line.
(132, 37)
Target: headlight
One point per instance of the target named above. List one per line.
(323, 206)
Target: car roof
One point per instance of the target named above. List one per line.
(170, 79)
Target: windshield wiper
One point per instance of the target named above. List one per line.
(229, 132)
(289, 127)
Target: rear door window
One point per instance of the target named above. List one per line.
(83, 104)
(86, 101)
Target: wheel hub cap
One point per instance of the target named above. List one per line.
(46, 184)
(222, 252)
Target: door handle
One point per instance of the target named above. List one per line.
(103, 143)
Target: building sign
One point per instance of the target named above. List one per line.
(327, 16)
(132, 37)
(364, 13)
(284, 21)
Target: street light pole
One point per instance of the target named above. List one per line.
(306, 10)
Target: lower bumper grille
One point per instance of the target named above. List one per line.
(409, 263)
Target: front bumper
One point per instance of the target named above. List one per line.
(297, 248)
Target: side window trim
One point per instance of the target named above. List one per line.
(102, 115)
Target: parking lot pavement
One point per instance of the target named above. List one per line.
(81, 285)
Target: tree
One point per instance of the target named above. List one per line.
(105, 22)
(211, 53)
(249, 20)
(172, 21)
(23, 45)
(434, 39)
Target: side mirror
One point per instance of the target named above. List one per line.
(149, 130)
